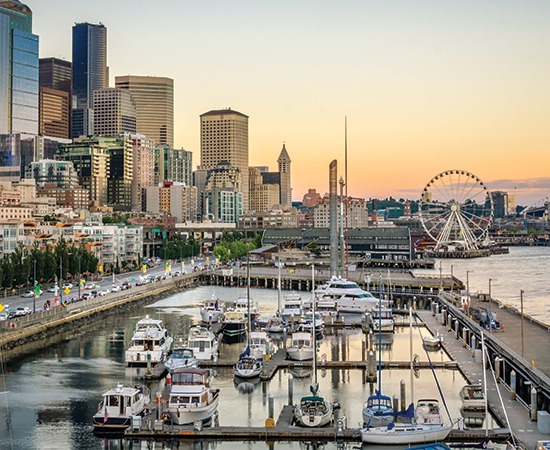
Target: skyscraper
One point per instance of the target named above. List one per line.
(55, 97)
(90, 70)
(154, 97)
(224, 137)
(114, 112)
(18, 69)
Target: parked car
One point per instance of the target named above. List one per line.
(28, 294)
(52, 288)
(125, 285)
(86, 296)
(22, 311)
(67, 286)
(115, 289)
(103, 292)
(3, 316)
(89, 286)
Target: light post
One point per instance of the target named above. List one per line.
(79, 271)
(452, 285)
(521, 300)
(35, 284)
(468, 289)
(490, 298)
(440, 278)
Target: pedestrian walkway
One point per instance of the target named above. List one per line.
(519, 418)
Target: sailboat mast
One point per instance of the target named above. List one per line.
(484, 381)
(249, 322)
(279, 285)
(411, 351)
(314, 337)
(380, 336)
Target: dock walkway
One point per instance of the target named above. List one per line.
(519, 419)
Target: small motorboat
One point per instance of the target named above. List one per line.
(118, 407)
(473, 397)
(301, 348)
(432, 342)
(181, 357)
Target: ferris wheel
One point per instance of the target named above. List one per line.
(456, 210)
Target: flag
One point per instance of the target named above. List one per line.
(106, 415)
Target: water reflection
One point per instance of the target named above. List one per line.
(54, 392)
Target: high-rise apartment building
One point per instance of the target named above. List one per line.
(174, 199)
(90, 72)
(55, 78)
(121, 173)
(114, 112)
(223, 195)
(62, 174)
(144, 169)
(91, 159)
(18, 69)
(154, 98)
(224, 137)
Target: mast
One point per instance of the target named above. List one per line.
(279, 286)
(248, 321)
(346, 185)
(380, 337)
(315, 386)
(484, 380)
(411, 351)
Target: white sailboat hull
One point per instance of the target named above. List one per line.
(300, 354)
(404, 434)
(304, 419)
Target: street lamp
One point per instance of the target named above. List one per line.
(35, 284)
(490, 279)
(468, 288)
(521, 300)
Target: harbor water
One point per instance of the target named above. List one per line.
(52, 394)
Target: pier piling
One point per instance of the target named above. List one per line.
(513, 384)
(403, 393)
(290, 390)
(533, 404)
(270, 408)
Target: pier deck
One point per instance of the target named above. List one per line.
(519, 420)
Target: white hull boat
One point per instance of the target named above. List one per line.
(301, 348)
(181, 358)
(212, 311)
(203, 343)
(150, 344)
(405, 434)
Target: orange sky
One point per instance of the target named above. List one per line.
(426, 85)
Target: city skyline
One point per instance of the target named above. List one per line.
(426, 87)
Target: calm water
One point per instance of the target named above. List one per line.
(524, 268)
(54, 392)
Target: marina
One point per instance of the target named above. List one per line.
(345, 375)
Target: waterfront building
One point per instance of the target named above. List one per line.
(90, 73)
(374, 245)
(114, 112)
(223, 195)
(18, 70)
(61, 174)
(224, 137)
(357, 213)
(143, 169)
(91, 159)
(154, 99)
(174, 199)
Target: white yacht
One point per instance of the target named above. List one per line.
(381, 319)
(150, 344)
(241, 304)
(212, 310)
(191, 397)
(181, 357)
(292, 306)
(118, 407)
(307, 322)
(260, 344)
(349, 297)
(301, 348)
(203, 343)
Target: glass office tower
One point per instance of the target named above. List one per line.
(89, 72)
(18, 69)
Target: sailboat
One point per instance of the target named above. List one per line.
(378, 409)
(248, 366)
(314, 410)
(426, 426)
(277, 323)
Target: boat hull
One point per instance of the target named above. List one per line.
(191, 414)
(234, 333)
(111, 425)
(300, 354)
(404, 434)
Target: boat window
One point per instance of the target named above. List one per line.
(113, 400)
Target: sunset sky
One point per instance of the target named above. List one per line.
(426, 85)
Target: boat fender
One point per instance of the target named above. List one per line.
(336, 406)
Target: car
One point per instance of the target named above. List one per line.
(94, 293)
(67, 286)
(86, 296)
(3, 316)
(52, 288)
(115, 289)
(22, 311)
(89, 286)
(103, 292)
(28, 294)
(125, 285)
